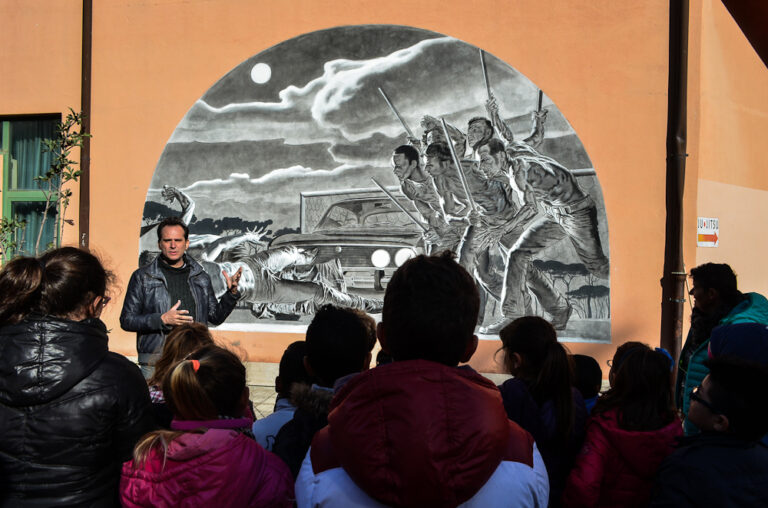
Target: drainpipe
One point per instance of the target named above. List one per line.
(673, 279)
(85, 107)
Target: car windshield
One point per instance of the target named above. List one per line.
(364, 214)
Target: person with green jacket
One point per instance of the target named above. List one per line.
(717, 301)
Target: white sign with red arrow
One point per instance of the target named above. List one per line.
(708, 232)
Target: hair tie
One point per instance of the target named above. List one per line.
(195, 364)
(669, 357)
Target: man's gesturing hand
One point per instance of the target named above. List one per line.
(233, 281)
(175, 316)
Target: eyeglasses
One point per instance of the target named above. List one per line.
(695, 396)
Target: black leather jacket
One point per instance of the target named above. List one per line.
(147, 298)
(70, 413)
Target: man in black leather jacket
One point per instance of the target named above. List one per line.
(172, 290)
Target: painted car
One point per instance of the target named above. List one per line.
(370, 236)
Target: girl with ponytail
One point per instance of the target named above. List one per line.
(632, 429)
(182, 341)
(70, 410)
(209, 457)
(541, 398)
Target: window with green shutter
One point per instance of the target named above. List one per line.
(24, 158)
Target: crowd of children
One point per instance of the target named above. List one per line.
(82, 427)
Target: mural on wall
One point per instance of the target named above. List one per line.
(323, 163)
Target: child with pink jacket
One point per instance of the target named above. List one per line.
(209, 457)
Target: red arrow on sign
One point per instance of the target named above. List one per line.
(708, 238)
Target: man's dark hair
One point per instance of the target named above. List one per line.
(481, 119)
(291, 368)
(172, 221)
(430, 310)
(737, 390)
(439, 149)
(337, 343)
(717, 276)
(410, 153)
(494, 144)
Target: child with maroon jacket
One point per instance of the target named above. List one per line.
(632, 429)
(422, 431)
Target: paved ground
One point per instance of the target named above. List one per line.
(263, 398)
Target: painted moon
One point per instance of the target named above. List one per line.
(260, 73)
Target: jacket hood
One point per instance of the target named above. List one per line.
(218, 468)
(191, 445)
(418, 433)
(754, 309)
(40, 359)
(314, 400)
(642, 451)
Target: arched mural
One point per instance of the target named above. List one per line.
(323, 163)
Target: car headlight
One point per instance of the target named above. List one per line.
(403, 255)
(380, 258)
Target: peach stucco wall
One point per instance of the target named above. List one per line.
(732, 157)
(743, 214)
(603, 63)
(40, 62)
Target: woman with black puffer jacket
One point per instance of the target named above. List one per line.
(70, 410)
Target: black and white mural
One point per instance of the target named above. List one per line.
(323, 163)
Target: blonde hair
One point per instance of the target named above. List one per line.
(183, 340)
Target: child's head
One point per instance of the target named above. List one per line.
(619, 356)
(181, 341)
(338, 343)
(640, 388)
(588, 376)
(430, 311)
(525, 342)
(208, 384)
(292, 368)
(744, 340)
(533, 354)
(732, 399)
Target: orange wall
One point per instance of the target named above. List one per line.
(733, 181)
(40, 62)
(734, 103)
(40, 57)
(603, 63)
